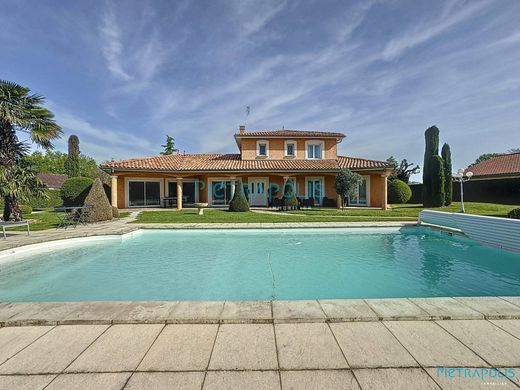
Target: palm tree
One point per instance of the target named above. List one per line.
(23, 112)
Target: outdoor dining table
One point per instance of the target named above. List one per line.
(74, 216)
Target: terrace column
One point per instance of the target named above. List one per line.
(233, 183)
(384, 203)
(338, 201)
(113, 191)
(179, 193)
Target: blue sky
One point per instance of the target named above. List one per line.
(123, 74)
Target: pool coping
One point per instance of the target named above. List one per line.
(295, 311)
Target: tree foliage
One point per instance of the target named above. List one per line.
(21, 111)
(169, 146)
(75, 190)
(72, 168)
(402, 170)
(431, 137)
(448, 179)
(239, 202)
(346, 185)
(54, 162)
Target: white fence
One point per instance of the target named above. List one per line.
(501, 233)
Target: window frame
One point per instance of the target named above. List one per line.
(321, 143)
(261, 142)
(295, 148)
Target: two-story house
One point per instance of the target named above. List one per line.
(268, 161)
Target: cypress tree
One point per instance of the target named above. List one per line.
(431, 136)
(437, 181)
(239, 202)
(448, 180)
(72, 162)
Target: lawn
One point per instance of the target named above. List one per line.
(397, 213)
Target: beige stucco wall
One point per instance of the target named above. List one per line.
(376, 183)
(277, 148)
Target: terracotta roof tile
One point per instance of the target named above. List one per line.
(291, 133)
(52, 180)
(506, 164)
(232, 162)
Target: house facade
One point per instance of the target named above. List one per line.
(267, 162)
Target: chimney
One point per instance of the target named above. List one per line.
(242, 129)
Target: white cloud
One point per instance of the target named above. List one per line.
(112, 46)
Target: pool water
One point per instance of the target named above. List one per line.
(264, 265)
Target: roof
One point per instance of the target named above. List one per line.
(52, 180)
(233, 162)
(290, 133)
(503, 165)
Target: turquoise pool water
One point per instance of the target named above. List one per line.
(265, 264)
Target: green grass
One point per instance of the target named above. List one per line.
(40, 221)
(397, 213)
(124, 214)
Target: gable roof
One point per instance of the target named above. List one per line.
(503, 165)
(233, 162)
(290, 133)
(52, 180)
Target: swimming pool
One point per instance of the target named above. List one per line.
(263, 265)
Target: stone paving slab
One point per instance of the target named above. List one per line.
(395, 378)
(145, 312)
(447, 308)
(105, 381)
(181, 347)
(244, 347)
(493, 344)
(295, 311)
(120, 348)
(53, 352)
(250, 380)
(347, 310)
(390, 309)
(432, 346)
(308, 346)
(319, 380)
(24, 382)
(14, 339)
(510, 326)
(241, 311)
(166, 381)
(491, 307)
(196, 311)
(370, 344)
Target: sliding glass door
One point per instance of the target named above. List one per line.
(361, 197)
(144, 193)
(315, 189)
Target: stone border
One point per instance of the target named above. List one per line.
(192, 312)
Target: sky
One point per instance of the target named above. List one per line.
(123, 74)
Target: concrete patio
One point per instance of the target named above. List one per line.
(318, 355)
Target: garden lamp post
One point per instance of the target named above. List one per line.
(460, 177)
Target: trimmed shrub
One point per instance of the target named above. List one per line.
(398, 192)
(25, 209)
(53, 200)
(437, 182)
(448, 180)
(289, 197)
(431, 138)
(75, 190)
(515, 213)
(101, 209)
(239, 202)
(115, 212)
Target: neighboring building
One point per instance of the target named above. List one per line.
(268, 161)
(52, 180)
(499, 167)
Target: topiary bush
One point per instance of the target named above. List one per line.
(101, 209)
(239, 202)
(75, 190)
(289, 198)
(115, 212)
(398, 192)
(53, 200)
(515, 213)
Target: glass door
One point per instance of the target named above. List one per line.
(144, 193)
(315, 190)
(361, 197)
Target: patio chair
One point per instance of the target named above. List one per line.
(278, 203)
(9, 224)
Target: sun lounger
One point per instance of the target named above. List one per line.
(5, 225)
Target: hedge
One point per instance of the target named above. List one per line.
(398, 192)
(515, 213)
(75, 190)
(53, 200)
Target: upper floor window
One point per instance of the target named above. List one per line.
(290, 148)
(262, 148)
(314, 149)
